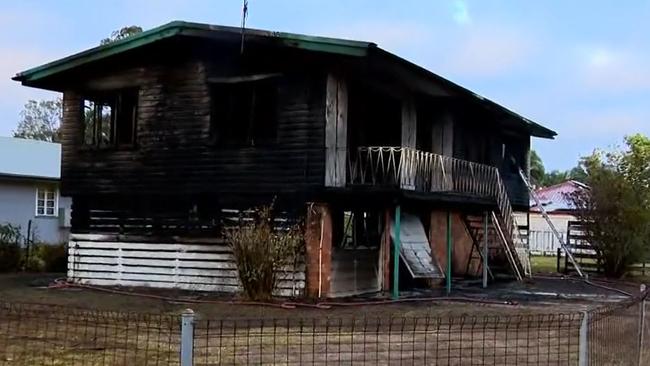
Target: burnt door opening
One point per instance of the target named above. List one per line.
(355, 253)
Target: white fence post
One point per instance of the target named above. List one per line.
(641, 324)
(187, 337)
(583, 356)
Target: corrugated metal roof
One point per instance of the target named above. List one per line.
(557, 197)
(29, 158)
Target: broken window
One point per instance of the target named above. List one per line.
(109, 119)
(244, 113)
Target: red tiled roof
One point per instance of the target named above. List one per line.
(556, 198)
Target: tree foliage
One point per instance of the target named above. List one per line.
(121, 33)
(541, 178)
(537, 170)
(616, 208)
(40, 120)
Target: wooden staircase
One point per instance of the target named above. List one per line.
(415, 170)
(502, 251)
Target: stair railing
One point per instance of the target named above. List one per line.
(417, 170)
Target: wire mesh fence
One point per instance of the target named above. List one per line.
(613, 334)
(489, 340)
(55, 335)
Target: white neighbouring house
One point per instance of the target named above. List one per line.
(30, 174)
(557, 203)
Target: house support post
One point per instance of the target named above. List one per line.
(397, 246)
(485, 249)
(318, 249)
(449, 252)
(385, 260)
(187, 337)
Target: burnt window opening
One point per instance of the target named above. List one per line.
(110, 119)
(244, 114)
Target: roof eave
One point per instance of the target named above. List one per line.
(23, 177)
(311, 43)
(99, 52)
(534, 128)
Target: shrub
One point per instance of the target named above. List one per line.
(261, 250)
(47, 258)
(10, 253)
(616, 208)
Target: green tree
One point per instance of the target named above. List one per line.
(537, 170)
(40, 120)
(616, 208)
(121, 33)
(555, 177)
(578, 173)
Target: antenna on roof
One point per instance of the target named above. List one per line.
(244, 15)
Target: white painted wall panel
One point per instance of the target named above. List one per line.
(193, 266)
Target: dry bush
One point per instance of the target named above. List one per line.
(262, 250)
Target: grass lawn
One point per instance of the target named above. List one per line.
(543, 264)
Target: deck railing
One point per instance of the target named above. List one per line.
(411, 169)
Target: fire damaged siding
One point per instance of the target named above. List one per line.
(176, 165)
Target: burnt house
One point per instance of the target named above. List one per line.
(403, 178)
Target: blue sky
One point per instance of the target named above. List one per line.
(581, 68)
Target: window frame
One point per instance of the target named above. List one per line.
(267, 83)
(55, 199)
(113, 99)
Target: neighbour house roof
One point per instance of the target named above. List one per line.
(21, 158)
(556, 198)
(403, 69)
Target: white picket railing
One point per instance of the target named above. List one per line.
(423, 171)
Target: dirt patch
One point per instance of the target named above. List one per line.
(93, 327)
(540, 296)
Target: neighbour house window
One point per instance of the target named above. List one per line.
(47, 201)
(109, 119)
(244, 114)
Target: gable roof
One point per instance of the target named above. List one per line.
(557, 197)
(328, 45)
(30, 159)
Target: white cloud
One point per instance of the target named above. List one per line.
(606, 122)
(460, 12)
(615, 71)
(487, 51)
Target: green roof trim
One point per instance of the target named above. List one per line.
(292, 40)
(311, 43)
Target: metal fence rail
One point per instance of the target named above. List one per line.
(544, 242)
(56, 335)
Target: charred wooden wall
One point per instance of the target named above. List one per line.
(176, 171)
